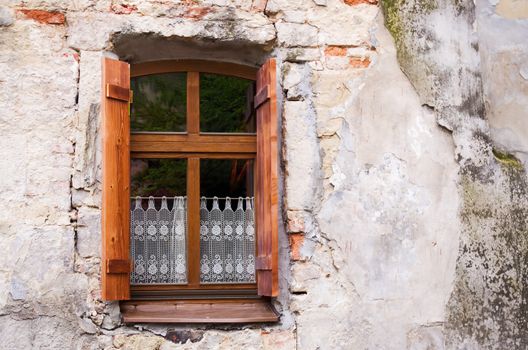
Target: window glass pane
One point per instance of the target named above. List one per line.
(227, 222)
(159, 102)
(223, 104)
(158, 221)
(226, 177)
(158, 177)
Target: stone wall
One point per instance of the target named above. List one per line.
(404, 212)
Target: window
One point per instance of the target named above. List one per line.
(190, 203)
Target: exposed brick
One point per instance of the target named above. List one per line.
(358, 62)
(46, 17)
(335, 51)
(358, 2)
(124, 9)
(296, 242)
(259, 5)
(197, 12)
(74, 55)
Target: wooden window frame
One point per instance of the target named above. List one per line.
(192, 145)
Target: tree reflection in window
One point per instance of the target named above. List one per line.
(223, 104)
(158, 177)
(159, 102)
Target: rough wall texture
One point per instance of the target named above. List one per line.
(475, 85)
(404, 189)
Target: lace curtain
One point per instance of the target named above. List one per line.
(158, 246)
(158, 241)
(227, 242)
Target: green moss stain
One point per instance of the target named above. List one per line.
(490, 298)
(406, 21)
(488, 308)
(402, 15)
(507, 159)
(393, 20)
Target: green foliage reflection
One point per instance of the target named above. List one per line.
(158, 177)
(223, 103)
(159, 102)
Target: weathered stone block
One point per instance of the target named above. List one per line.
(89, 232)
(294, 34)
(302, 54)
(301, 145)
(296, 81)
(320, 2)
(337, 62)
(304, 273)
(295, 221)
(6, 16)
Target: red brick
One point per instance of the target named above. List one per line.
(46, 17)
(358, 62)
(124, 9)
(335, 51)
(296, 242)
(74, 55)
(259, 5)
(197, 12)
(358, 2)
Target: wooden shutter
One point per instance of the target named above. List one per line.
(115, 262)
(266, 202)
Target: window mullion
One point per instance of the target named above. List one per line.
(193, 103)
(193, 221)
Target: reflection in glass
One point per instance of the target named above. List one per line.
(223, 104)
(159, 102)
(226, 178)
(158, 177)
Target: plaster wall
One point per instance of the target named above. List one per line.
(400, 228)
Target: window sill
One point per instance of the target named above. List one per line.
(198, 311)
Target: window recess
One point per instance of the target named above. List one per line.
(190, 204)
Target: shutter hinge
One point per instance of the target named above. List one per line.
(118, 93)
(118, 266)
(263, 263)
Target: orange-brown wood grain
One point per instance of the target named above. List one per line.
(267, 182)
(193, 143)
(194, 146)
(115, 212)
(201, 155)
(204, 311)
(193, 103)
(170, 66)
(193, 222)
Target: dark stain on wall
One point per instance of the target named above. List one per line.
(488, 307)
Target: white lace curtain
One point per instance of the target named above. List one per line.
(227, 242)
(158, 241)
(157, 246)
